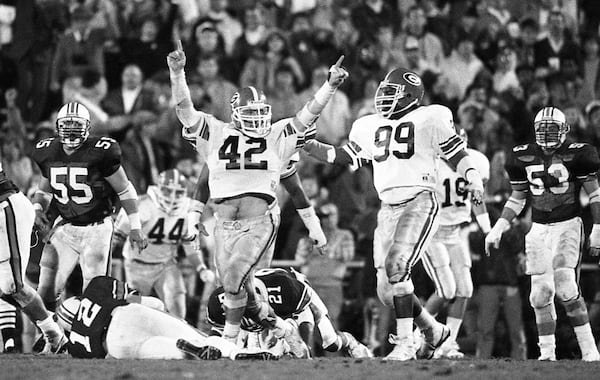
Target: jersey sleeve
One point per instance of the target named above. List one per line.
(588, 162)
(358, 146)
(112, 157)
(482, 164)
(445, 140)
(516, 170)
(40, 154)
(200, 132)
(291, 139)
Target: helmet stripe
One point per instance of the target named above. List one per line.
(254, 93)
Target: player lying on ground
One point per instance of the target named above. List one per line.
(245, 158)
(163, 211)
(552, 173)
(291, 298)
(112, 320)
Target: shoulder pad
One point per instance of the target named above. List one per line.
(520, 148)
(103, 143)
(45, 143)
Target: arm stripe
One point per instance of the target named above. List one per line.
(450, 141)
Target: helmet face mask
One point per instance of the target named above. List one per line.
(172, 190)
(73, 125)
(250, 112)
(400, 90)
(550, 128)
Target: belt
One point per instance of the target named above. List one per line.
(138, 261)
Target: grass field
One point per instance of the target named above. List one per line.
(54, 368)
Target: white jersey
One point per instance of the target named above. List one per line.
(454, 198)
(240, 164)
(164, 231)
(404, 151)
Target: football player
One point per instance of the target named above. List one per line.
(245, 159)
(291, 296)
(16, 223)
(163, 211)
(447, 259)
(403, 139)
(112, 320)
(83, 174)
(552, 174)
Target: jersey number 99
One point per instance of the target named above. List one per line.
(403, 135)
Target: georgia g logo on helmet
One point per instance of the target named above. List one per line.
(73, 124)
(551, 128)
(412, 78)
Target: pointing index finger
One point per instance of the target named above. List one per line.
(179, 45)
(339, 61)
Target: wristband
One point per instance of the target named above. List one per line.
(134, 221)
(502, 224)
(484, 222)
(324, 93)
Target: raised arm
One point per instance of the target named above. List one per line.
(313, 108)
(186, 113)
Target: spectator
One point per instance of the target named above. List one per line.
(505, 77)
(305, 46)
(326, 272)
(526, 43)
(591, 68)
(132, 96)
(255, 34)
(413, 57)
(478, 119)
(498, 278)
(461, 67)
(370, 16)
(147, 50)
(556, 46)
(35, 30)
(592, 111)
(79, 49)
(216, 87)
(229, 27)
(334, 123)
(283, 96)
(15, 163)
(206, 40)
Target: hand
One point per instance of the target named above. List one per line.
(11, 97)
(493, 238)
(595, 240)
(207, 276)
(41, 220)
(319, 241)
(337, 74)
(138, 240)
(176, 59)
(195, 228)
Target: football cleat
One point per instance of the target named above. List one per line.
(198, 352)
(592, 356)
(57, 348)
(434, 337)
(356, 349)
(547, 352)
(404, 349)
(449, 350)
(259, 355)
(298, 348)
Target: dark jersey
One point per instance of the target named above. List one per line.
(6, 185)
(287, 295)
(78, 180)
(554, 180)
(102, 295)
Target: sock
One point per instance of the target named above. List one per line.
(50, 329)
(547, 340)
(231, 331)
(425, 320)
(545, 319)
(454, 325)
(404, 328)
(585, 338)
(8, 320)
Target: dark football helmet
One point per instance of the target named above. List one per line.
(397, 92)
(250, 112)
(216, 312)
(551, 128)
(172, 190)
(73, 124)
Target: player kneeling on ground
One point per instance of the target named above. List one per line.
(291, 298)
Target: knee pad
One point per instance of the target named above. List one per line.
(464, 283)
(384, 289)
(404, 288)
(542, 291)
(442, 278)
(566, 284)
(398, 262)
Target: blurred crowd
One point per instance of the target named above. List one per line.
(495, 63)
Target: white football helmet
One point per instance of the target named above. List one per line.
(250, 112)
(73, 124)
(172, 190)
(66, 312)
(551, 128)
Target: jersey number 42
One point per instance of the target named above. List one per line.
(230, 151)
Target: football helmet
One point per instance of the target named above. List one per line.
(551, 128)
(73, 124)
(172, 190)
(216, 312)
(397, 92)
(250, 112)
(66, 312)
